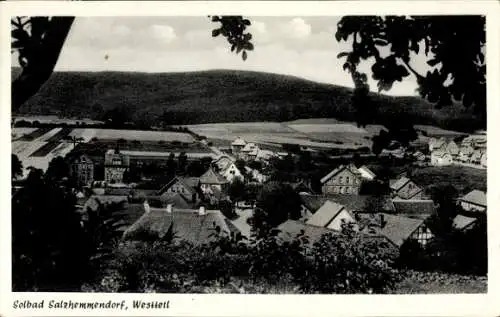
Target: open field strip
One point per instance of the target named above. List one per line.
(48, 135)
(166, 154)
(137, 135)
(25, 148)
(19, 132)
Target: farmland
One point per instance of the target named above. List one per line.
(314, 133)
(137, 135)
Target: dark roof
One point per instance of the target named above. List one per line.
(212, 178)
(186, 224)
(398, 228)
(290, 229)
(340, 168)
(414, 207)
(128, 191)
(191, 183)
(174, 199)
(355, 203)
(398, 184)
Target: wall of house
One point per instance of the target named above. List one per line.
(441, 161)
(114, 174)
(422, 235)
(344, 182)
(343, 216)
(84, 173)
(471, 207)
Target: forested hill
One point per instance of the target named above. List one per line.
(220, 96)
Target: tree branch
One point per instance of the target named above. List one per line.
(41, 65)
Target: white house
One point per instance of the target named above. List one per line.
(441, 158)
(474, 201)
(331, 215)
(483, 160)
(227, 168)
(237, 145)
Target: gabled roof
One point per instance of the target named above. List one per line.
(461, 222)
(83, 158)
(238, 142)
(476, 197)
(366, 172)
(476, 155)
(400, 183)
(440, 153)
(337, 170)
(189, 183)
(399, 228)
(420, 208)
(325, 214)
(249, 147)
(291, 228)
(356, 203)
(452, 147)
(185, 224)
(174, 199)
(212, 178)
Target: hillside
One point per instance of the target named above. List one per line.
(219, 96)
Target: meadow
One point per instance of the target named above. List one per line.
(137, 135)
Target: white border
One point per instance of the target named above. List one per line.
(266, 305)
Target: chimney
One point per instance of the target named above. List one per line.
(382, 221)
(146, 207)
(169, 208)
(201, 211)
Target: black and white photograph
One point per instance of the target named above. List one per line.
(249, 154)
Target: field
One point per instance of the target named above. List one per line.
(55, 119)
(138, 135)
(437, 132)
(19, 132)
(314, 133)
(463, 178)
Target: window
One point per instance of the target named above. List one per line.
(182, 190)
(341, 190)
(347, 180)
(347, 190)
(341, 179)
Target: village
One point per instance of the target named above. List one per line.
(200, 189)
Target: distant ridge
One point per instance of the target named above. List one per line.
(222, 96)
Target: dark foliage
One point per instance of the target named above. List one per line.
(16, 167)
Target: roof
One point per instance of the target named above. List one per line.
(398, 184)
(249, 147)
(439, 153)
(366, 172)
(337, 170)
(291, 228)
(398, 228)
(325, 214)
(174, 199)
(476, 155)
(312, 202)
(210, 177)
(185, 224)
(189, 182)
(239, 142)
(476, 197)
(462, 222)
(414, 207)
(452, 147)
(83, 158)
(356, 203)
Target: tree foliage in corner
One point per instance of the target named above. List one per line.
(453, 45)
(234, 29)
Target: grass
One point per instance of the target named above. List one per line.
(34, 134)
(463, 178)
(136, 135)
(440, 283)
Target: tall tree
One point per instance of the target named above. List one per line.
(453, 45)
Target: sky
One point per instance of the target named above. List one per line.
(299, 46)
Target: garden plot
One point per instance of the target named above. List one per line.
(25, 148)
(132, 135)
(47, 136)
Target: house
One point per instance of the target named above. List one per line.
(332, 216)
(405, 188)
(345, 179)
(475, 158)
(483, 160)
(437, 144)
(441, 158)
(115, 165)
(474, 201)
(465, 153)
(196, 226)
(249, 151)
(361, 203)
(414, 208)
(398, 229)
(82, 169)
(188, 187)
(213, 185)
(264, 155)
(310, 204)
(453, 149)
(237, 145)
(227, 168)
(366, 173)
(256, 175)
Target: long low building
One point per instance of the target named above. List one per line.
(146, 155)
